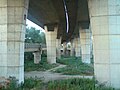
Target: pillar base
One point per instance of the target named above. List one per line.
(13, 71)
(51, 60)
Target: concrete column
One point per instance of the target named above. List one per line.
(72, 52)
(85, 39)
(13, 15)
(58, 48)
(91, 43)
(77, 47)
(64, 48)
(51, 45)
(105, 25)
(37, 57)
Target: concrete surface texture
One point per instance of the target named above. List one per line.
(13, 15)
(85, 40)
(51, 44)
(105, 26)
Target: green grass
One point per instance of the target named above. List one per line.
(74, 67)
(75, 84)
(42, 66)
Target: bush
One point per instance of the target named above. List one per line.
(32, 83)
(28, 56)
(44, 54)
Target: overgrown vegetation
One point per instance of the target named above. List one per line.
(74, 67)
(29, 84)
(75, 84)
(34, 36)
(67, 84)
(42, 66)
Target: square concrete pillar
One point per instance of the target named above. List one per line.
(37, 57)
(105, 25)
(64, 48)
(58, 48)
(77, 47)
(85, 39)
(51, 44)
(13, 15)
(72, 51)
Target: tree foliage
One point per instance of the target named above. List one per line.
(34, 36)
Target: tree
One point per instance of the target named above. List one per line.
(34, 36)
(42, 35)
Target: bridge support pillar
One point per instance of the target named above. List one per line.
(37, 57)
(77, 47)
(64, 48)
(58, 47)
(72, 51)
(51, 44)
(13, 15)
(105, 26)
(85, 39)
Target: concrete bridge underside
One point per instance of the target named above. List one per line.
(102, 17)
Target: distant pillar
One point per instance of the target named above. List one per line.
(72, 52)
(58, 48)
(77, 47)
(85, 39)
(51, 44)
(64, 48)
(105, 26)
(13, 15)
(37, 57)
